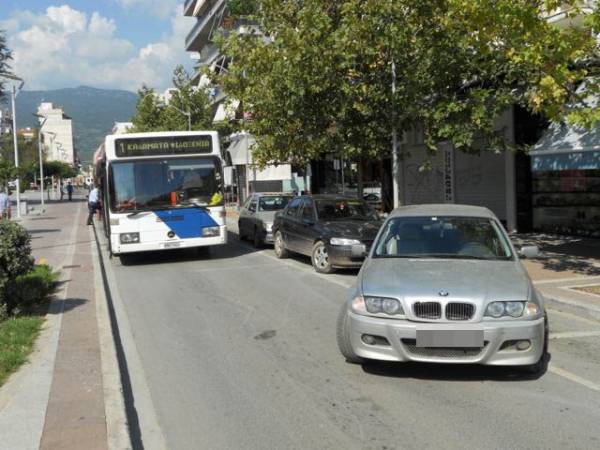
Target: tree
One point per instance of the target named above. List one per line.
(321, 80)
(5, 57)
(154, 115)
(59, 169)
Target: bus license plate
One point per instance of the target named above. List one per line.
(172, 245)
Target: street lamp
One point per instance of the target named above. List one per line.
(14, 92)
(42, 122)
(188, 114)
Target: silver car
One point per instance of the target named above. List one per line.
(257, 215)
(444, 284)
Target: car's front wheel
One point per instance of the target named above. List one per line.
(343, 338)
(320, 258)
(279, 246)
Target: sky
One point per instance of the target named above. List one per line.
(118, 44)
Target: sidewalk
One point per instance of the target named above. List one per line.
(564, 264)
(56, 401)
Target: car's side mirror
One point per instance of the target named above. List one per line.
(529, 251)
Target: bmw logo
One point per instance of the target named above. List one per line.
(443, 293)
(171, 234)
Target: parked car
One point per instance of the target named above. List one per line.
(444, 284)
(257, 215)
(334, 231)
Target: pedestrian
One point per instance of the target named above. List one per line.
(5, 205)
(62, 190)
(70, 190)
(93, 202)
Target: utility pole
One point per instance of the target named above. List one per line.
(395, 156)
(15, 91)
(42, 122)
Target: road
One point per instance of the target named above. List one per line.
(238, 351)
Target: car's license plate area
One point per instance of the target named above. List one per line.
(450, 338)
(175, 244)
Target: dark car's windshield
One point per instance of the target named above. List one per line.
(443, 237)
(165, 183)
(344, 209)
(273, 202)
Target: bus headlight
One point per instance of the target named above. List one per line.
(211, 231)
(129, 238)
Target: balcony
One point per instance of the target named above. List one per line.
(202, 31)
(563, 17)
(188, 7)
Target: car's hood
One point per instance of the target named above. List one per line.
(421, 279)
(353, 229)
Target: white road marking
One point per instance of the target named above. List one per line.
(566, 280)
(572, 316)
(574, 334)
(574, 378)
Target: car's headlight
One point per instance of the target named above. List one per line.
(377, 306)
(511, 309)
(210, 231)
(268, 226)
(343, 241)
(129, 238)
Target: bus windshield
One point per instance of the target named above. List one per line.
(165, 183)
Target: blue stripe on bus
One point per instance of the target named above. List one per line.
(194, 220)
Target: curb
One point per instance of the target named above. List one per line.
(572, 306)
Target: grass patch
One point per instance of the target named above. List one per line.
(17, 336)
(590, 289)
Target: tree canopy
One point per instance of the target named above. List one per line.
(320, 78)
(154, 115)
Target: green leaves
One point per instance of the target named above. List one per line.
(152, 114)
(321, 80)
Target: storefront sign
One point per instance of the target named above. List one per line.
(448, 173)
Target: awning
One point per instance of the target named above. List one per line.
(566, 147)
(240, 150)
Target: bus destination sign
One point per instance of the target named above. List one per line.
(158, 146)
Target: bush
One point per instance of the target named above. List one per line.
(15, 256)
(31, 289)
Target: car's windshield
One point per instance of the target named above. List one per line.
(344, 209)
(165, 183)
(443, 237)
(273, 202)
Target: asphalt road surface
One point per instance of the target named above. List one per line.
(238, 350)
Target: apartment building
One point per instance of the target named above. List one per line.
(213, 18)
(57, 132)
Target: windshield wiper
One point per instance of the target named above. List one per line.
(453, 256)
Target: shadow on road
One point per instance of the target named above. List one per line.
(230, 250)
(451, 372)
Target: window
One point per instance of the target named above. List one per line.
(308, 210)
(292, 209)
(273, 202)
(443, 237)
(165, 183)
(344, 209)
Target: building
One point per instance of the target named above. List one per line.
(241, 174)
(58, 133)
(28, 134)
(5, 122)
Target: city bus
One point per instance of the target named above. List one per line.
(161, 191)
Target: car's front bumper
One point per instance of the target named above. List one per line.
(401, 335)
(350, 256)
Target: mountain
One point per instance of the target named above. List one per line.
(94, 112)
